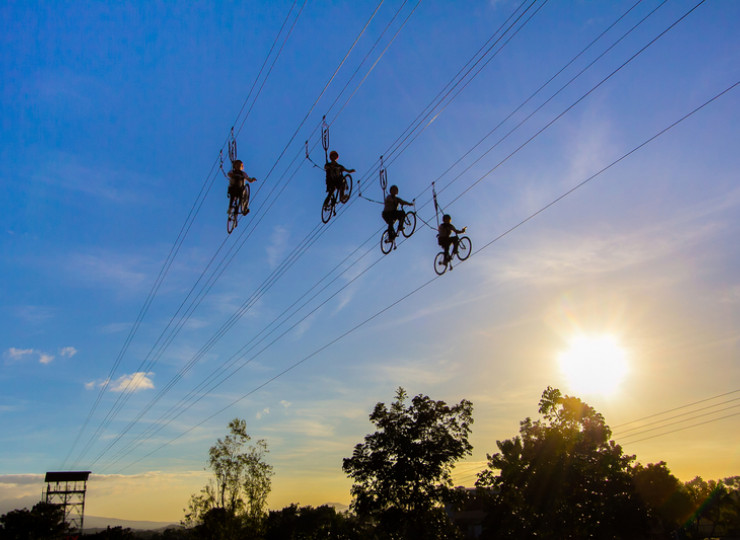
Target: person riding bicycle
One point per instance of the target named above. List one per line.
(335, 175)
(237, 177)
(391, 213)
(445, 237)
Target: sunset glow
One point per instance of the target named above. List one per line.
(594, 365)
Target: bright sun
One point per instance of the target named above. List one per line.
(594, 365)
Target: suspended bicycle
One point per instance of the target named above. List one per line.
(237, 205)
(461, 251)
(406, 227)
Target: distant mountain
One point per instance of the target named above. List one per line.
(96, 522)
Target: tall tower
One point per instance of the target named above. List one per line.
(67, 489)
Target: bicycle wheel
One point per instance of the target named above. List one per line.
(231, 220)
(347, 188)
(409, 224)
(464, 246)
(245, 200)
(386, 244)
(328, 209)
(440, 266)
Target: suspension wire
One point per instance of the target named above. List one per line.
(426, 222)
(314, 105)
(417, 130)
(185, 228)
(357, 88)
(662, 422)
(536, 92)
(561, 70)
(570, 107)
(676, 408)
(427, 283)
(684, 428)
(164, 270)
(274, 61)
(452, 84)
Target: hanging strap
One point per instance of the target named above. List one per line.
(436, 206)
(325, 137)
(232, 146)
(383, 177)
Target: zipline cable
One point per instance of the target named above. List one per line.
(185, 228)
(428, 282)
(576, 102)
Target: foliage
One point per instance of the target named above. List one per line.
(308, 523)
(562, 478)
(402, 472)
(668, 502)
(716, 508)
(235, 500)
(43, 521)
(113, 533)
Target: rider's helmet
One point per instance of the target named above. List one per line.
(446, 218)
(394, 189)
(333, 155)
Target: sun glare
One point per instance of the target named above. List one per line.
(594, 365)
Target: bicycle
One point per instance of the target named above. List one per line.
(237, 205)
(462, 251)
(406, 227)
(329, 208)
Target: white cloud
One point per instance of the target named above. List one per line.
(67, 352)
(262, 413)
(45, 358)
(17, 354)
(285, 403)
(133, 383)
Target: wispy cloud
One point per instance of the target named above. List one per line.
(67, 352)
(34, 314)
(45, 358)
(262, 413)
(69, 172)
(277, 245)
(115, 270)
(17, 354)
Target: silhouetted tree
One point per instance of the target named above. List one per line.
(715, 508)
(308, 523)
(402, 472)
(112, 533)
(562, 478)
(42, 522)
(667, 501)
(235, 501)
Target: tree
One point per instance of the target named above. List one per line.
(237, 496)
(562, 477)
(308, 523)
(43, 521)
(668, 502)
(402, 472)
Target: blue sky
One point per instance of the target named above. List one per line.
(112, 120)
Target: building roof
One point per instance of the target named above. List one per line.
(67, 476)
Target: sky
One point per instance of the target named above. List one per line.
(133, 328)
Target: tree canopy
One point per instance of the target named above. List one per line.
(237, 496)
(402, 472)
(562, 477)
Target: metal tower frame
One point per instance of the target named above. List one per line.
(67, 489)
